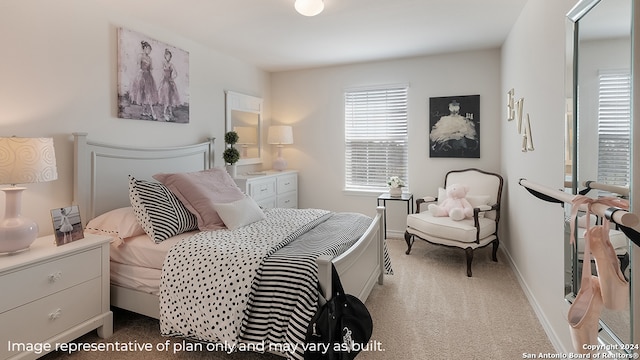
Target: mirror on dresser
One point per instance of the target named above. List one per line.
(598, 134)
(244, 116)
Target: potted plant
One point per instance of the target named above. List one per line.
(231, 155)
(395, 186)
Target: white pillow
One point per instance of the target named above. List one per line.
(478, 200)
(239, 213)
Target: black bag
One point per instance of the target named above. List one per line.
(341, 328)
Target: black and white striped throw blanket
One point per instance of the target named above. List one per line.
(246, 287)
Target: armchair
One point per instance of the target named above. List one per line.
(485, 191)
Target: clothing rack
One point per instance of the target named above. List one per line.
(628, 222)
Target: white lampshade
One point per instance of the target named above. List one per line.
(309, 7)
(280, 135)
(27, 160)
(22, 160)
(247, 135)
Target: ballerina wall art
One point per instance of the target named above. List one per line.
(67, 225)
(153, 79)
(454, 123)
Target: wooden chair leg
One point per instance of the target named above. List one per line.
(494, 255)
(469, 252)
(408, 238)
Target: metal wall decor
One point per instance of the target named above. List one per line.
(514, 112)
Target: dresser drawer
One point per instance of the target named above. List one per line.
(287, 183)
(42, 319)
(268, 203)
(35, 282)
(289, 200)
(262, 189)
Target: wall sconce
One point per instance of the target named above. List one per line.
(247, 135)
(22, 161)
(309, 7)
(280, 135)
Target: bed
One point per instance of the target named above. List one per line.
(103, 174)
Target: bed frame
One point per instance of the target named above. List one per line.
(100, 178)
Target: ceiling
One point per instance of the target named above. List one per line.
(274, 37)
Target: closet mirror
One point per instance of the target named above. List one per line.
(598, 129)
(244, 116)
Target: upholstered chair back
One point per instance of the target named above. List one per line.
(481, 184)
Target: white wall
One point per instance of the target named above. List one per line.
(313, 102)
(59, 76)
(533, 63)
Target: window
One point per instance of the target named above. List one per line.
(614, 127)
(376, 145)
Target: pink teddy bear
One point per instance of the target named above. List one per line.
(456, 206)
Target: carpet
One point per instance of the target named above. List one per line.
(429, 309)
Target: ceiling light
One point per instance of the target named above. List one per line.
(309, 7)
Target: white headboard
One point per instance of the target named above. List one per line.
(100, 171)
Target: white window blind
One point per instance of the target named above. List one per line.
(614, 127)
(376, 145)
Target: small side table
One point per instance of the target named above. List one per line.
(408, 197)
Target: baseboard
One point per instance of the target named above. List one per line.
(395, 234)
(546, 326)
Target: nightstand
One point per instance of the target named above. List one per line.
(54, 294)
(407, 197)
(271, 188)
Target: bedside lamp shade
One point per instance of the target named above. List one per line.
(280, 135)
(22, 161)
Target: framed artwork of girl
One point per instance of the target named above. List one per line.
(67, 225)
(153, 79)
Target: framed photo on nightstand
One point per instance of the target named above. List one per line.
(67, 225)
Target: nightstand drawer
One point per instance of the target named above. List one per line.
(40, 320)
(289, 200)
(262, 189)
(35, 282)
(287, 183)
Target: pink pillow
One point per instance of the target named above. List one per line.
(120, 223)
(200, 191)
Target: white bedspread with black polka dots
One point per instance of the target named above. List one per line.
(206, 279)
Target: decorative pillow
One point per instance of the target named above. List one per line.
(120, 223)
(239, 213)
(478, 200)
(200, 190)
(158, 211)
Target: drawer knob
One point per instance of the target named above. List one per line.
(55, 276)
(56, 314)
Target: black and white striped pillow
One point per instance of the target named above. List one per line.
(158, 211)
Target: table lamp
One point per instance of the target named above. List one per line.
(247, 135)
(22, 161)
(280, 135)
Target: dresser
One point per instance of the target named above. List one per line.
(53, 294)
(272, 188)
